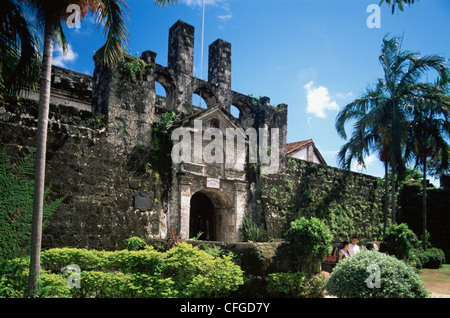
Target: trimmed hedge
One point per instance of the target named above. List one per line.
(183, 271)
(430, 258)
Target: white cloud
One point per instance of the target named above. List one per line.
(359, 168)
(319, 100)
(227, 15)
(341, 95)
(60, 58)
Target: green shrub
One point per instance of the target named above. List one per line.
(135, 243)
(14, 281)
(371, 274)
(414, 260)
(57, 285)
(13, 277)
(183, 271)
(250, 231)
(399, 240)
(56, 259)
(151, 286)
(144, 261)
(309, 241)
(199, 274)
(286, 284)
(430, 258)
(296, 285)
(95, 284)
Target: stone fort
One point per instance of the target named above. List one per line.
(118, 183)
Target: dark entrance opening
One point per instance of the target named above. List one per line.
(202, 218)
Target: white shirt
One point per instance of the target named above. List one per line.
(353, 249)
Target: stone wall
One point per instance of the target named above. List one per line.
(92, 169)
(351, 203)
(102, 158)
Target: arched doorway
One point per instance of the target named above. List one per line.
(202, 217)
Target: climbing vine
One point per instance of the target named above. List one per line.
(348, 203)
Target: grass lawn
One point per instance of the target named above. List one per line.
(437, 281)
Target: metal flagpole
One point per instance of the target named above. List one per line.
(201, 57)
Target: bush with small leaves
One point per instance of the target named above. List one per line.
(430, 258)
(399, 240)
(309, 241)
(135, 243)
(372, 274)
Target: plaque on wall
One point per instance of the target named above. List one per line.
(143, 201)
(213, 183)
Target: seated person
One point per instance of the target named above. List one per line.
(343, 253)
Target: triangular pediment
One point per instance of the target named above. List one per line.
(213, 117)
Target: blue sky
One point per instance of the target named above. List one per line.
(314, 55)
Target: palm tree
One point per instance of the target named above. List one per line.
(399, 3)
(428, 137)
(50, 13)
(382, 114)
(369, 134)
(19, 54)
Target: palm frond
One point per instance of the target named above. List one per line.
(60, 37)
(19, 49)
(112, 14)
(163, 3)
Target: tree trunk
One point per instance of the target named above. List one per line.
(424, 205)
(39, 177)
(386, 196)
(394, 219)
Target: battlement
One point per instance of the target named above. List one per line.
(113, 92)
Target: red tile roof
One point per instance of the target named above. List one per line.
(293, 147)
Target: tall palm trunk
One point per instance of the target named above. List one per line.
(394, 219)
(39, 178)
(386, 195)
(424, 205)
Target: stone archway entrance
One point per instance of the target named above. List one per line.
(210, 211)
(202, 218)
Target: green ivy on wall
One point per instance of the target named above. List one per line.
(349, 203)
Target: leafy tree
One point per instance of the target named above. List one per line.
(428, 137)
(382, 114)
(50, 14)
(19, 54)
(309, 241)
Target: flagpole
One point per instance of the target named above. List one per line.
(201, 57)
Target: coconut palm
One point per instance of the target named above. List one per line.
(369, 134)
(50, 14)
(428, 137)
(398, 3)
(383, 114)
(19, 50)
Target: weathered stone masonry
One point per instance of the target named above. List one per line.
(98, 157)
(100, 143)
